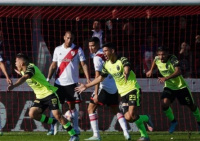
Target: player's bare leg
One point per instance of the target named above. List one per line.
(122, 121)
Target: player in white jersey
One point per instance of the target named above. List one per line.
(66, 61)
(2, 66)
(105, 93)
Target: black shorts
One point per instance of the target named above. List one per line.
(132, 98)
(184, 95)
(105, 98)
(67, 93)
(50, 101)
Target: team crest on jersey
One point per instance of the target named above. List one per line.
(118, 68)
(72, 53)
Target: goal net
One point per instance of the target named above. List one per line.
(136, 32)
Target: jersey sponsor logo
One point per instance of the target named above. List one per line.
(117, 75)
(31, 82)
(66, 61)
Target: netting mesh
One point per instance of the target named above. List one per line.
(135, 30)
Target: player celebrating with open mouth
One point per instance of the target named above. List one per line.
(127, 85)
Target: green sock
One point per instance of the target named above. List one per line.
(144, 118)
(69, 129)
(45, 119)
(169, 114)
(141, 127)
(196, 113)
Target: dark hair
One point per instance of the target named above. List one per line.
(24, 57)
(163, 48)
(109, 45)
(95, 40)
(70, 32)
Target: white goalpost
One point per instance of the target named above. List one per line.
(98, 2)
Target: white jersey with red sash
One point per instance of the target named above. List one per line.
(68, 60)
(108, 83)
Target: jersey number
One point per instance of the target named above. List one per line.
(132, 97)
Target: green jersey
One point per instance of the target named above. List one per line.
(168, 68)
(117, 71)
(38, 82)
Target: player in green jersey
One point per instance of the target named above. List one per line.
(45, 94)
(127, 85)
(175, 86)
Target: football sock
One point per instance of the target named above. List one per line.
(45, 119)
(122, 123)
(144, 118)
(94, 124)
(74, 113)
(169, 114)
(196, 113)
(69, 129)
(52, 125)
(141, 127)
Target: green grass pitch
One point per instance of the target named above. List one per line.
(106, 136)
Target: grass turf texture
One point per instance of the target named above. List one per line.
(106, 136)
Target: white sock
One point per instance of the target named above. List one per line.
(122, 123)
(94, 124)
(74, 113)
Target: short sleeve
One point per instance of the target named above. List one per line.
(174, 61)
(104, 71)
(125, 62)
(81, 54)
(30, 71)
(156, 59)
(98, 63)
(55, 56)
